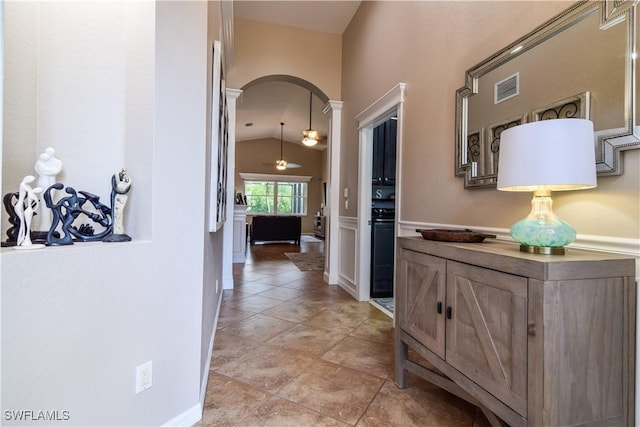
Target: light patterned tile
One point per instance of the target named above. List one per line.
(333, 320)
(227, 348)
(228, 401)
(255, 303)
(308, 340)
(278, 412)
(419, 405)
(327, 357)
(283, 294)
(266, 367)
(333, 390)
(368, 356)
(293, 312)
(258, 327)
(376, 330)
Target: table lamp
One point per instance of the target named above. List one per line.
(546, 156)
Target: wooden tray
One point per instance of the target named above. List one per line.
(460, 236)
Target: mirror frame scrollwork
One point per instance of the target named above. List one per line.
(609, 146)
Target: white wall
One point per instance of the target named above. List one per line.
(77, 320)
(213, 242)
(88, 99)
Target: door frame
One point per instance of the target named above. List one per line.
(380, 111)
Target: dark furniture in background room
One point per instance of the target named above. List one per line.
(318, 226)
(276, 228)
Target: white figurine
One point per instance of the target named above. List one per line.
(47, 167)
(120, 186)
(25, 208)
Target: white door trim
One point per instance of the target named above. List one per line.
(375, 114)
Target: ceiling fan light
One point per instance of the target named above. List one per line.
(310, 136)
(281, 164)
(308, 140)
(310, 133)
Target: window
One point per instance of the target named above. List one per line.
(276, 194)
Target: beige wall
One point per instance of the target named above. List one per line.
(429, 46)
(259, 156)
(266, 49)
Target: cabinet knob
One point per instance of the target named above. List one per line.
(531, 329)
(439, 306)
(449, 312)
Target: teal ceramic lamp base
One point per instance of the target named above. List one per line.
(542, 231)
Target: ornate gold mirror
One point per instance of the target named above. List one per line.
(579, 64)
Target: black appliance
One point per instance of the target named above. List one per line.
(382, 245)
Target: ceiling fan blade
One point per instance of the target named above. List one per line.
(289, 165)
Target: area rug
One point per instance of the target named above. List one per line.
(383, 304)
(310, 239)
(307, 261)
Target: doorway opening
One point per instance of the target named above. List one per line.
(386, 112)
(270, 94)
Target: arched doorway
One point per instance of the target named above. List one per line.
(270, 100)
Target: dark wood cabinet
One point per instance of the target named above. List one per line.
(533, 339)
(318, 226)
(384, 153)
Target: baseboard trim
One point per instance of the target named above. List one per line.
(187, 418)
(348, 286)
(205, 376)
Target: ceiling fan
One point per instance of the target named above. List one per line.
(310, 137)
(282, 164)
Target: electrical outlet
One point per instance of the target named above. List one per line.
(144, 376)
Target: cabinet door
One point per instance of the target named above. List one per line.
(420, 292)
(377, 171)
(487, 330)
(389, 166)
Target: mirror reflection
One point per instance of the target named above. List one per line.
(573, 66)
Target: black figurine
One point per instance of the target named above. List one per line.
(68, 208)
(14, 220)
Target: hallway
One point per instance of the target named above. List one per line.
(291, 350)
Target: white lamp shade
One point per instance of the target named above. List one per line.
(551, 155)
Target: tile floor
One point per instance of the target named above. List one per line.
(291, 350)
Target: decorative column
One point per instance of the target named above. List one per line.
(333, 203)
(227, 233)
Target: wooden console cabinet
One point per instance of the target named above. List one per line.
(537, 340)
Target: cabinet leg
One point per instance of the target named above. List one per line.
(491, 417)
(401, 355)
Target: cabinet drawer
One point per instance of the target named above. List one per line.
(486, 334)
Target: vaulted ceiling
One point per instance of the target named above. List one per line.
(263, 106)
